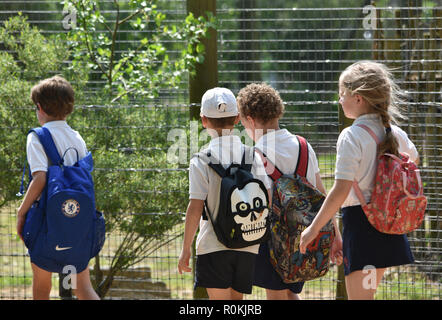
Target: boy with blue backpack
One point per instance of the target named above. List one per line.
(57, 154)
(229, 201)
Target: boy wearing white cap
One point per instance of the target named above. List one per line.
(225, 273)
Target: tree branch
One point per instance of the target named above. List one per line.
(114, 39)
(89, 47)
(131, 16)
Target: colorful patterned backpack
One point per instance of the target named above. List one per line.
(295, 204)
(397, 204)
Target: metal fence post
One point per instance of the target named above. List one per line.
(206, 77)
(65, 294)
(341, 292)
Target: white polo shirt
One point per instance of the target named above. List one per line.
(356, 154)
(282, 149)
(226, 149)
(64, 137)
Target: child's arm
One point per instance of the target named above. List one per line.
(336, 249)
(193, 216)
(34, 191)
(331, 205)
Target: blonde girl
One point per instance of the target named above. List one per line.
(368, 94)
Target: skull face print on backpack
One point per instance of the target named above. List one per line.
(241, 217)
(63, 228)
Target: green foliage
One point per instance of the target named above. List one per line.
(144, 67)
(142, 195)
(29, 58)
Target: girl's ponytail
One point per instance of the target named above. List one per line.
(390, 143)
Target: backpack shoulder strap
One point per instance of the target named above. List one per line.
(247, 158)
(356, 188)
(213, 163)
(372, 134)
(48, 144)
(207, 158)
(301, 166)
(272, 171)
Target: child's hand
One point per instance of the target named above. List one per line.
(21, 218)
(307, 236)
(183, 262)
(336, 250)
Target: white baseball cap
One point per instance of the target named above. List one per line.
(218, 103)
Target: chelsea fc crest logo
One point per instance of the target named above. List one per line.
(70, 208)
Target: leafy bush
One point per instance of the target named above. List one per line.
(27, 58)
(141, 194)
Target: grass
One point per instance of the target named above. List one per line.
(326, 164)
(15, 267)
(16, 275)
(407, 282)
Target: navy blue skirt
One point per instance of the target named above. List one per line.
(364, 246)
(267, 277)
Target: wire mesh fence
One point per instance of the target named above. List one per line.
(300, 49)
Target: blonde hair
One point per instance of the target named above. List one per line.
(374, 82)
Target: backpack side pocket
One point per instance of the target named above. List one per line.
(32, 227)
(99, 233)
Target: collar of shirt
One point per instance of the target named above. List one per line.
(226, 149)
(367, 117)
(56, 123)
(268, 140)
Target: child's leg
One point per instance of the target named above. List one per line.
(284, 294)
(41, 283)
(235, 295)
(360, 285)
(224, 294)
(84, 290)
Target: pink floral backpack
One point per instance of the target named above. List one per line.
(397, 203)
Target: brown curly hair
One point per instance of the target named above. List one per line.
(260, 101)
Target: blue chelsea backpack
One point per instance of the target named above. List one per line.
(63, 228)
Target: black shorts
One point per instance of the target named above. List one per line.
(225, 269)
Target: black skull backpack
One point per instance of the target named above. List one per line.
(241, 217)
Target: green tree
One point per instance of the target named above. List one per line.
(140, 69)
(141, 203)
(29, 57)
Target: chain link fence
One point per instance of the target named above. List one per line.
(300, 49)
